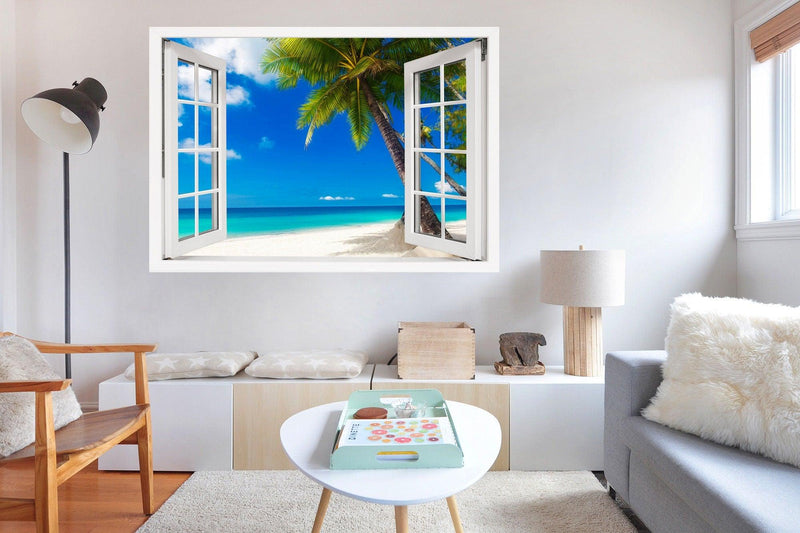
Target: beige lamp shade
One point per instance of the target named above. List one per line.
(583, 278)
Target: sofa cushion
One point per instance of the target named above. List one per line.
(733, 489)
(312, 364)
(732, 374)
(193, 365)
(21, 361)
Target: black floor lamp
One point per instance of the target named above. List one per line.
(69, 119)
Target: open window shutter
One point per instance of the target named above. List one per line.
(444, 105)
(776, 35)
(195, 151)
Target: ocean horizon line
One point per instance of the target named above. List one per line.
(250, 221)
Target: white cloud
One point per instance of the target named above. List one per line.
(234, 94)
(237, 95)
(389, 195)
(447, 187)
(205, 157)
(335, 198)
(266, 143)
(243, 55)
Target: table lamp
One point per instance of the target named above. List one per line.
(68, 119)
(583, 281)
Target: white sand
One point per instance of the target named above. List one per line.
(365, 240)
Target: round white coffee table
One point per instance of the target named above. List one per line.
(479, 434)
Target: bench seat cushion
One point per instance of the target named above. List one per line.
(311, 364)
(737, 491)
(193, 365)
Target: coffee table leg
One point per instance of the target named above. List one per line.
(451, 504)
(401, 518)
(321, 509)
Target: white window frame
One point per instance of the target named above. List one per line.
(174, 246)
(490, 263)
(470, 53)
(784, 224)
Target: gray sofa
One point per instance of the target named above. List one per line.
(677, 482)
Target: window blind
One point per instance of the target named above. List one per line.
(776, 35)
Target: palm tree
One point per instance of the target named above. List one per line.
(356, 76)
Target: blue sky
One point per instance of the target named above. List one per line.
(268, 163)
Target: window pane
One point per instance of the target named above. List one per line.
(208, 212)
(185, 80)
(455, 81)
(455, 216)
(205, 82)
(185, 172)
(185, 217)
(428, 178)
(428, 124)
(205, 127)
(207, 171)
(427, 214)
(455, 167)
(427, 83)
(455, 119)
(185, 126)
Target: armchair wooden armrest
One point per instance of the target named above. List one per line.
(55, 347)
(34, 386)
(139, 351)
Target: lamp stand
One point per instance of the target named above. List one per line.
(583, 341)
(67, 335)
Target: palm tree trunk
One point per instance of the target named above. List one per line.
(437, 169)
(428, 221)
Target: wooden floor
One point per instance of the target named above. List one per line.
(92, 501)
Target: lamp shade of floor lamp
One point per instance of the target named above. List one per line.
(68, 119)
(583, 281)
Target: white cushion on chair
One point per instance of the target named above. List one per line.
(21, 361)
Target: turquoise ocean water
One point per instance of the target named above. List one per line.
(248, 221)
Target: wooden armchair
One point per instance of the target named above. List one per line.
(58, 455)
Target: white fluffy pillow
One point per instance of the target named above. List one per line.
(314, 364)
(193, 365)
(21, 361)
(732, 375)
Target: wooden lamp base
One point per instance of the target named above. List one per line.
(583, 341)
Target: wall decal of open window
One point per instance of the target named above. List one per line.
(324, 149)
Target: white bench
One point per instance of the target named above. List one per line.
(549, 422)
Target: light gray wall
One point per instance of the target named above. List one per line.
(768, 271)
(616, 132)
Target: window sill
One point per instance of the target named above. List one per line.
(289, 264)
(772, 230)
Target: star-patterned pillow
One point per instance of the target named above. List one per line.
(194, 365)
(312, 364)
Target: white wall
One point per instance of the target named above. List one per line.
(616, 132)
(8, 222)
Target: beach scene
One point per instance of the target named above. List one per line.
(315, 149)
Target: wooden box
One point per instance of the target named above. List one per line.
(435, 350)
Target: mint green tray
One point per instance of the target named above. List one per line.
(411, 455)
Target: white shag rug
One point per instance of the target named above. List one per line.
(286, 501)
